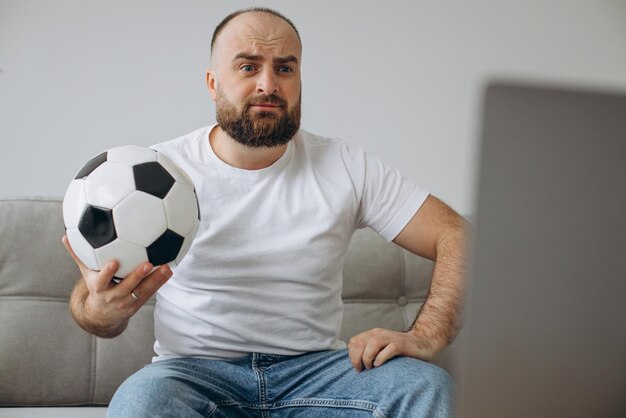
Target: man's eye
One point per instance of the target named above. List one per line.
(285, 69)
(247, 68)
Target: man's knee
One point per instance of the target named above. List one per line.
(419, 378)
(437, 377)
(417, 388)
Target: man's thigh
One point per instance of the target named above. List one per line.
(312, 385)
(322, 381)
(189, 388)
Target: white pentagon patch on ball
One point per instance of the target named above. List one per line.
(130, 204)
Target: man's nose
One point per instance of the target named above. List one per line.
(266, 82)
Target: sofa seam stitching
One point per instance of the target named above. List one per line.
(389, 301)
(403, 288)
(39, 298)
(57, 299)
(94, 354)
(22, 199)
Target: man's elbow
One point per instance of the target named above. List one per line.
(454, 235)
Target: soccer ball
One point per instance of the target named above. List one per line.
(131, 204)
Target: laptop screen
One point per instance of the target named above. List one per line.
(546, 307)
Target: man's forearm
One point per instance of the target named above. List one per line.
(438, 233)
(79, 311)
(439, 318)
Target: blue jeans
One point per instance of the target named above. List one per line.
(319, 384)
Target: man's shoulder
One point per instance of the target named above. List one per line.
(187, 141)
(314, 140)
(339, 146)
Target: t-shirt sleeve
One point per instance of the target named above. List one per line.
(387, 199)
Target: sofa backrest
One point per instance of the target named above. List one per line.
(46, 359)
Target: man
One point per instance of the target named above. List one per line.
(249, 324)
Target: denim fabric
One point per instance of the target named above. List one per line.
(319, 384)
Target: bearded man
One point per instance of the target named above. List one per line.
(249, 324)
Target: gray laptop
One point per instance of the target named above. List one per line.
(546, 312)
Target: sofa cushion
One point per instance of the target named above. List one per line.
(46, 359)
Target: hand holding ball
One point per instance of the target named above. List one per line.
(131, 204)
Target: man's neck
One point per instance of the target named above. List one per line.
(241, 156)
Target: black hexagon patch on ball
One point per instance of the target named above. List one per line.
(91, 165)
(96, 225)
(153, 179)
(165, 248)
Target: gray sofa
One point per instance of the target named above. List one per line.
(50, 367)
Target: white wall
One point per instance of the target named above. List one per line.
(402, 78)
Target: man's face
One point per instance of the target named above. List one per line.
(255, 80)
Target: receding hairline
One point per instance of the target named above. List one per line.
(220, 27)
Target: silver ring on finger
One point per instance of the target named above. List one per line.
(134, 295)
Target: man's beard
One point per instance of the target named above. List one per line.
(258, 129)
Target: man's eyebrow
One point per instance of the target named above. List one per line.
(256, 58)
(285, 60)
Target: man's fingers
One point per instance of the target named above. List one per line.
(130, 282)
(372, 349)
(164, 273)
(355, 351)
(377, 346)
(144, 282)
(387, 353)
(103, 278)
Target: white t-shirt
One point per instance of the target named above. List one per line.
(264, 273)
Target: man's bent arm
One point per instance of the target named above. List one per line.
(438, 233)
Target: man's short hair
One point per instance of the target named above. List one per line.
(224, 22)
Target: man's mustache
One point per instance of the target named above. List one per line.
(271, 98)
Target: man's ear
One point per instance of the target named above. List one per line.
(211, 83)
